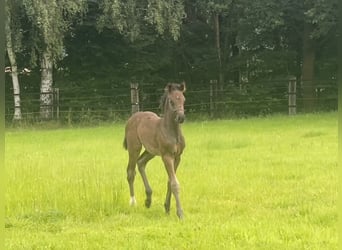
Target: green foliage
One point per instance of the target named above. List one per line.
(256, 183)
(13, 24)
(130, 16)
(260, 24)
(323, 15)
(166, 15)
(50, 20)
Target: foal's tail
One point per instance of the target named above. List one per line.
(125, 143)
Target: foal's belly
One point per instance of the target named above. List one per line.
(147, 130)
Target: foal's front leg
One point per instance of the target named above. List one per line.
(168, 192)
(170, 163)
(168, 198)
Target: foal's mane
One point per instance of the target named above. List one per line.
(169, 88)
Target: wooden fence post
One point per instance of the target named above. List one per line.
(56, 101)
(213, 93)
(292, 95)
(135, 97)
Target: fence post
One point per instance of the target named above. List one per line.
(135, 97)
(56, 101)
(213, 84)
(292, 95)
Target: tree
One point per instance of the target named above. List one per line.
(13, 46)
(220, 17)
(130, 16)
(319, 25)
(297, 29)
(50, 22)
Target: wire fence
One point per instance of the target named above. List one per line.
(72, 105)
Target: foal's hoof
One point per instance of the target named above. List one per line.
(180, 215)
(132, 201)
(148, 203)
(167, 208)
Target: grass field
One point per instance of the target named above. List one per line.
(259, 183)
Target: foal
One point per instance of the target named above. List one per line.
(160, 136)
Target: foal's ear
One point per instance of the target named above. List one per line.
(175, 86)
(169, 87)
(182, 86)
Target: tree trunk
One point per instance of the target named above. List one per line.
(15, 80)
(218, 48)
(46, 95)
(235, 52)
(308, 70)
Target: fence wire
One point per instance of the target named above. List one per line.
(81, 104)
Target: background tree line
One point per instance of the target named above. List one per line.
(249, 47)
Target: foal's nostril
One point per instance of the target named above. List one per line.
(181, 118)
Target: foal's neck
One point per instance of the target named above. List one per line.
(172, 128)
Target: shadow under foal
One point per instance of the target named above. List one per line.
(160, 136)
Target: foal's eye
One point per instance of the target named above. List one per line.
(173, 104)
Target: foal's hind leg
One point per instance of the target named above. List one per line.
(142, 161)
(133, 156)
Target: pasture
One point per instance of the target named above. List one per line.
(258, 183)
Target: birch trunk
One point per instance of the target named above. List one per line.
(15, 80)
(46, 95)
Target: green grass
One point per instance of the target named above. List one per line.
(259, 183)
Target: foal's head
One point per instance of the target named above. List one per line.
(173, 101)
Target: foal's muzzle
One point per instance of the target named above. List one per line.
(180, 117)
